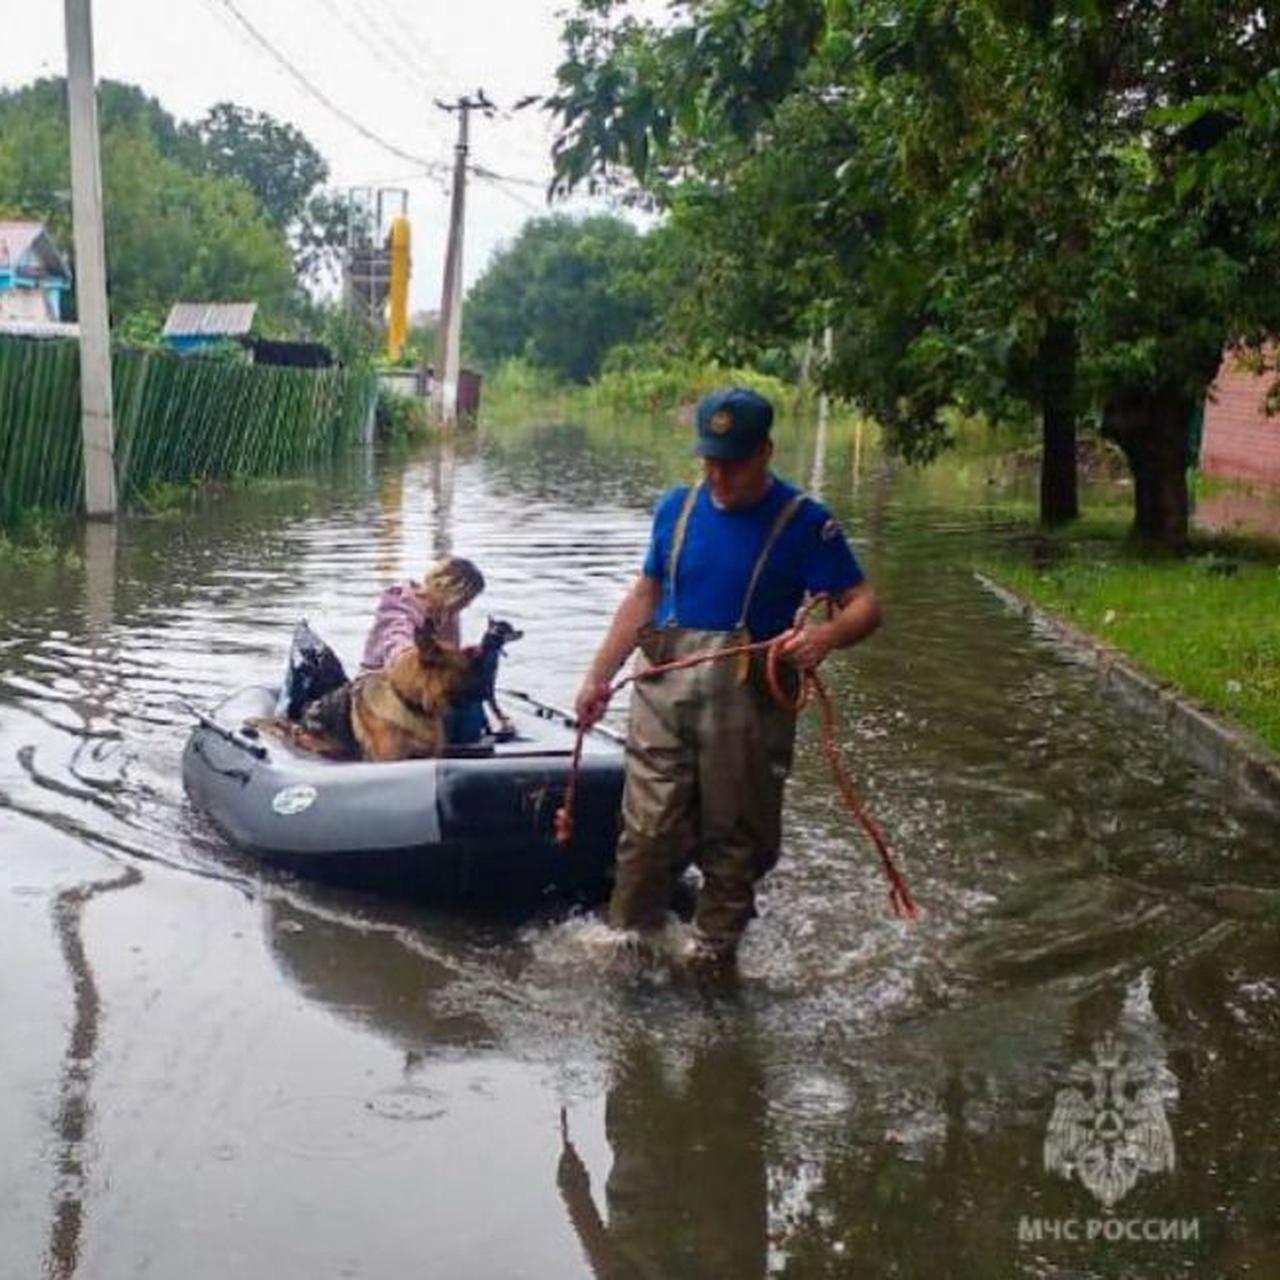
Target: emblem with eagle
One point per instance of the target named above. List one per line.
(1108, 1126)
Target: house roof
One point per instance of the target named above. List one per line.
(27, 244)
(209, 319)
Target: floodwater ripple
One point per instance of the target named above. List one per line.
(868, 1090)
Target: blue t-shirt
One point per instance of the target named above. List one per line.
(720, 551)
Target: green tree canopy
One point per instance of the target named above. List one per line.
(561, 294)
(227, 208)
(286, 173)
(272, 158)
(994, 201)
(173, 234)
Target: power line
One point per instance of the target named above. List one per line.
(397, 180)
(363, 37)
(401, 23)
(393, 46)
(431, 166)
(482, 172)
(498, 185)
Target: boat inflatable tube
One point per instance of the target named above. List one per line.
(478, 821)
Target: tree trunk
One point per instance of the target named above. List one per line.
(1151, 426)
(1059, 493)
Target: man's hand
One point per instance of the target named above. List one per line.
(591, 702)
(635, 611)
(857, 616)
(809, 646)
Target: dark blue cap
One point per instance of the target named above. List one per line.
(732, 424)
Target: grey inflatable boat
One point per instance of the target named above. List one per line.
(477, 822)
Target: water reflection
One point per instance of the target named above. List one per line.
(376, 970)
(101, 538)
(876, 1100)
(686, 1192)
(72, 1120)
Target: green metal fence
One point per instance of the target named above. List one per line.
(176, 420)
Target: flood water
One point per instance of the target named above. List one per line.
(210, 1070)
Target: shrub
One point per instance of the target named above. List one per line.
(400, 419)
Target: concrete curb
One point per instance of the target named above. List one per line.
(1238, 759)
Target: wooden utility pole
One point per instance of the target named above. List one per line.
(97, 431)
(449, 341)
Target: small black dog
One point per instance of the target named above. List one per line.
(498, 634)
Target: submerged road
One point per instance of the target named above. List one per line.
(1068, 1068)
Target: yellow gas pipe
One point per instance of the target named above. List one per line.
(398, 324)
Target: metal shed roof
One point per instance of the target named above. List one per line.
(209, 319)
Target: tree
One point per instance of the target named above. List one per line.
(998, 198)
(272, 158)
(173, 234)
(285, 172)
(561, 295)
(319, 238)
(173, 230)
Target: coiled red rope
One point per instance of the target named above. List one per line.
(810, 687)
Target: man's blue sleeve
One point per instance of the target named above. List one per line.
(665, 515)
(830, 565)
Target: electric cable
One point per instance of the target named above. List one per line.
(511, 195)
(378, 53)
(393, 46)
(430, 166)
(483, 171)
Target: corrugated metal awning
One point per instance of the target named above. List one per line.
(209, 319)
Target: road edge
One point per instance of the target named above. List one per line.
(1231, 754)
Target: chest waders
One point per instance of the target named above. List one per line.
(708, 754)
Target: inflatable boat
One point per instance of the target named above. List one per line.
(476, 822)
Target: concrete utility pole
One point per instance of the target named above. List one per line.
(91, 267)
(449, 342)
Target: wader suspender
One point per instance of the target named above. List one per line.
(780, 522)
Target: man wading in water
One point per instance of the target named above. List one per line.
(730, 559)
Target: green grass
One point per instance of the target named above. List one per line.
(665, 388)
(1203, 486)
(670, 386)
(39, 539)
(1209, 624)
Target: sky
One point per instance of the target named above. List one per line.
(380, 62)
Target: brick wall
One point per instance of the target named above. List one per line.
(1240, 441)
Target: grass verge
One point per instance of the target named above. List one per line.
(39, 539)
(1209, 624)
(669, 388)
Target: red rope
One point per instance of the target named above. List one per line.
(811, 686)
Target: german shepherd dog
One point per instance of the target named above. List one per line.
(396, 713)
